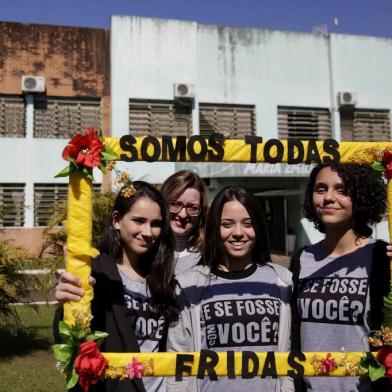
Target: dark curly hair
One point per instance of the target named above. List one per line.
(366, 189)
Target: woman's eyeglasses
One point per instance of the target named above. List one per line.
(191, 209)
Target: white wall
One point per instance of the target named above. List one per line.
(244, 66)
(32, 160)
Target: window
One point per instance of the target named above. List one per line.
(152, 117)
(64, 117)
(12, 116)
(364, 125)
(234, 121)
(12, 199)
(304, 123)
(47, 197)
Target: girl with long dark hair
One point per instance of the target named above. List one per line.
(134, 293)
(237, 300)
(186, 197)
(339, 283)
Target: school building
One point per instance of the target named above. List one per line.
(178, 77)
(170, 77)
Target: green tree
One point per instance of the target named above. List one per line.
(55, 235)
(14, 286)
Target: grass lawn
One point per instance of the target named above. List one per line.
(26, 361)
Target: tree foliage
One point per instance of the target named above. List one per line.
(55, 235)
(14, 286)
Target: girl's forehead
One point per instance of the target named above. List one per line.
(145, 205)
(328, 175)
(191, 195)
(234, 208)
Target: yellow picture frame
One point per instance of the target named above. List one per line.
(80, 253)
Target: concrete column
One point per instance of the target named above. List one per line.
(195, 118)
(29, 186)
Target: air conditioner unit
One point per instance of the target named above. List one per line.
(345, 98)
(33, 84)
(184, 91)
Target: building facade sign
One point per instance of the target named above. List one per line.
(217, 170)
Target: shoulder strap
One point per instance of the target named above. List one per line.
(295, 268)
(380, 276)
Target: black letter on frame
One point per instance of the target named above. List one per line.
(312, 154)
(253, 141)
(208, 360)
(126, 143)
(215, 141)
(175, 153)
(156, 146)
(331, 146)
(181, 366)
(191, 150)
(247, 358)
(293, 143)
(230, 365)
(279, 151)
(269, 368)
(298, 368)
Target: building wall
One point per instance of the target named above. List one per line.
(73, 60)
(257, 67)
(243, 66)
(75, 64)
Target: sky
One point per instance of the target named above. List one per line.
(363, 17)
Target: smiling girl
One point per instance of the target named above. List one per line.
(134, 296)
(339, 283)
(186, 196)
(238, 300)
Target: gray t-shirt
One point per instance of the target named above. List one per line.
(185, 260)
(240, 312)
(148, 326)
(334, 305)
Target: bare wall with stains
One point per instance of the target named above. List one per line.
(74, 61)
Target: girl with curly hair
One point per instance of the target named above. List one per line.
(339, 283)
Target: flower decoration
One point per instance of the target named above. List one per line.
(135, 369)
(78, 356)
(85, 152)
(124, 180)
(379, 364)
(387, 164)
(381, 338)
(324, 366)
(89, 364)
(383, 162)
(384, 356)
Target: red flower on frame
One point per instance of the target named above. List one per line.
(387, 163)
(384, 356)
(90, 364)
(85, 149)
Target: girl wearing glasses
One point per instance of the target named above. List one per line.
(186, 196)
(237, 300)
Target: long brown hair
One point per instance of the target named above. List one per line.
(174, 187)
(158, 261)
